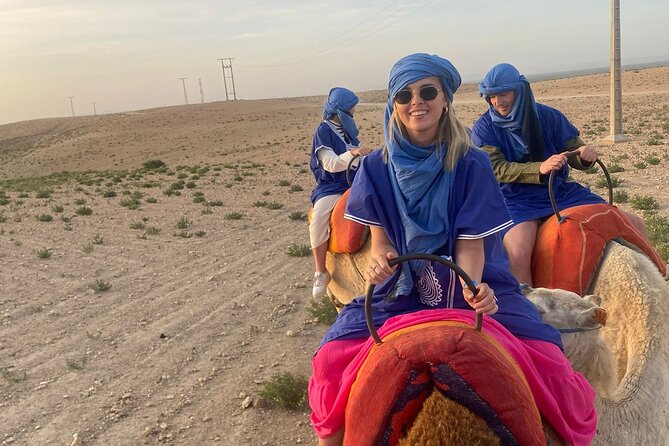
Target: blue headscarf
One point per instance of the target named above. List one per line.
(340, 101)
(420, 184)
(522, 124)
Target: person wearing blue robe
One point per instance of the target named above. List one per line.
(334, 146)
(526, 141)
(428, 191)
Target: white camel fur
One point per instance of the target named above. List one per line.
(633, 398)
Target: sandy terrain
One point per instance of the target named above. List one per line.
(196, 318)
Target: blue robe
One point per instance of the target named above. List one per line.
(531, 201)
(329, 183)
(476, 210)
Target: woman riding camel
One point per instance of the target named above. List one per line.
(334, 146)
(526, 141)
(431, 191)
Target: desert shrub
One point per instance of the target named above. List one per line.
(233, 216)
(615, 168)
(273, 205)
(44, 217)
(44, 253)
(620, 196)
(297, 216)
(153, 164)
(644, 203)
(640, 165)
(653, 160)
(152, 230)
(323, 310)
(131, 203)
(84, 210)
(658, 233)
(601, 181)
(183, 223)
(297, 250)
(100, 286)
(286, 390)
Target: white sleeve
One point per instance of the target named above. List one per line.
(332, 162)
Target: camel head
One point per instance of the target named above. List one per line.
(578, 319)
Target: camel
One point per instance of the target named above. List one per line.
(633, 399)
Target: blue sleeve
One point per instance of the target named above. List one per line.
(478, 202)
(364, 205)
(483, 134)
(324, 137)
(561, 129)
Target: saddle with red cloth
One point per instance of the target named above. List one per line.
(567, 253)
(399, 375)
(346, 236)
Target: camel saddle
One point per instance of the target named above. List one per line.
(567, 252)
(346, 236)
(450, 358)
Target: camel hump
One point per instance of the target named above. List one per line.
(568, 252)
(469, 368)
(346, 236)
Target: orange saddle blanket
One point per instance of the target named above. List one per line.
(567, 253)
(346, 236)
(399, 375)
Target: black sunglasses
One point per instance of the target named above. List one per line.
(427, 93)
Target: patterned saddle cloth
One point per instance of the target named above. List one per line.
(399, 375)
(567, 253)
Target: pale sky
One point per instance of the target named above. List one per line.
(127, 55)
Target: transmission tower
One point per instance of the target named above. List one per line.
(228, 67)
(199, 80)
(71, 105)
(95, 112)
(183, 82)
(616, 94)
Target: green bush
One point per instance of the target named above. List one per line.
(286, 390)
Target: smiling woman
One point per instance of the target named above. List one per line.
(431, 191)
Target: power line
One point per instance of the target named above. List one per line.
(199, 80)
(353, 37)
(183, 82)
(315, 50)
(228, 67)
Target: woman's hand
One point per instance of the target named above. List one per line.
(361, 151)
(555, 162)
(378, 269)
(484, 302)
(587, 154)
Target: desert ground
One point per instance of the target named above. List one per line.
(148, 306)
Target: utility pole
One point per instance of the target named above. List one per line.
(225, 67)
(616, 93)
(183, 82)
(95, 112)
(71, 105)
(199, 80)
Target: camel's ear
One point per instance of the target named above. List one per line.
(594, 299)
(526, 289)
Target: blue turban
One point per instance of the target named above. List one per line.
(340, 102)
(421, 185)
(522, 123)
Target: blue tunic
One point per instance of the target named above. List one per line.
(531, 201)
(329, 183)
(476, 210)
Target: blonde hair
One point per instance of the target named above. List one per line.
(450, 131)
